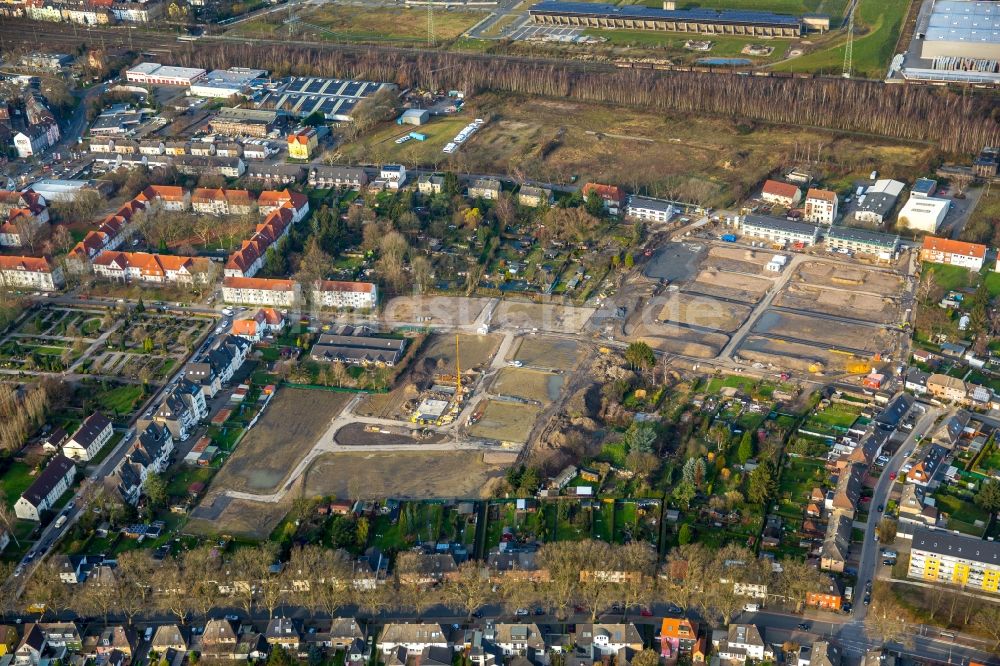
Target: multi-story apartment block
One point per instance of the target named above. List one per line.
(955, 559)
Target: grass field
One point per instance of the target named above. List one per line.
(949, 277)
(672, 44)
(119, 400)
(542, 387)
(16, 480)
(506, 422)
(548, 352)
(881, 21)
(365, 24)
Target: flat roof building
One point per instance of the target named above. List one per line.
(164, 75)
(923, 214)
(939, 556)
(650, 210)
(226, 82)
(963, 29)
(778, 230)
(862, 240)
(335, 99)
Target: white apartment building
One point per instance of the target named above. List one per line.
(356, 295)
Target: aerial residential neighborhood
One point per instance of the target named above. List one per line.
(500, 334)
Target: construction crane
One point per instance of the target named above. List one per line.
(458, 373)
(849, 48)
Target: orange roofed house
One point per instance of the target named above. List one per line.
(957, 253)
(167, 197)
(677, 636)
(246, 261)
(611, 195)
(272, 200)
(221, 202)
(255, 328)
(260, 291)
(783, 194)
(159, 268)
(30, 273)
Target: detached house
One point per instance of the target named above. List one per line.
(677, 636)
(516, 639)
(282, 631)
(89, 439)
(743, 642)
(46, 489)
(265, 321)
(169, 637)
(821, 206)
(219, 640)
(618, 641)
(485, 188)
(612, 195)
(783, 194)
(30, 273)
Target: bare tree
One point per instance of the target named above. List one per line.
(470, 588)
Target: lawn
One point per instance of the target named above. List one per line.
(604, 521)
(120, 400)
(949, 277)
(837, 415)
(877, 24)
(962, 511)
(992, 281)
(16, 480)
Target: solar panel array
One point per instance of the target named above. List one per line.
(334, 98)
(599, 10)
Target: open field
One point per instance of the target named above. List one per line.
(539, 351)
(820, 331)
(354, 434)
(290, 427)
(242, 518)
(671, 44)
(737, 286)
(367, 24)
(705, 312)
(679, 340)
(541, 387)
(856, 278)
(791, 355)
(551, 140)
(505, 422)
(544, 317)
(401, 474)
(877, 23)
(738, 259)
(448, 310)
(838, 302)
(476, 350)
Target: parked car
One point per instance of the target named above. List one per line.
(804, 626)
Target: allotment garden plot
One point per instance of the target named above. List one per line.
(53, 339)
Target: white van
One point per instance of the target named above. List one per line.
(751, 608)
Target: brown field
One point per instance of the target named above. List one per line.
(290, 427)
(354, 434)
(542, 387)
(856, 278)
(839, 302)
(705, 312)
(553, 139)
(678, 340)
(741, 254)
(446, 310)
(400, 474)
(544, 317)
(505, 422)
(237, 517)
(833, 334)
(476, 350)
(730, 285)
(790, 355)
(542, 352)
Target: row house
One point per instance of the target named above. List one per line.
(36, 273)
(110, 234)
(217, 366)
(154, 268)
(328, 177)
(92, 435)
(36, 139)
(194, 165)
(46, 489)
(19, 227)
(165, 197)
(413, 638)
(246, 261)
(222, 202)
(149, 455)
(28, 200)
(336, 294)
(182, 409)
(273, 200)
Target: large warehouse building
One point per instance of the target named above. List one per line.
(637, 17)
(154, 73)
(963, 29)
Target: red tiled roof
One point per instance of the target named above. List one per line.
(333, 285)
(33, 264)
(258, 283)
(822, 195)
(949, 246)
(612, 192)
(779, 189)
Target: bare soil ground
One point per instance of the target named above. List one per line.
(241, 518)
(679, 340)
(446, 310)
(821, 273)
(730, 285)
(839, 302)
(757, 257)
(543, 316)
(506, 422)
(543, 352)
(354, 434)
(705, 312)
(402, 474)
(290, 427)
(542, 387)
(790, 355)
(476, 351)
(836, 334)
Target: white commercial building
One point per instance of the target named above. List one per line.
(163, 75)
(923, 214)
(224, 83)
